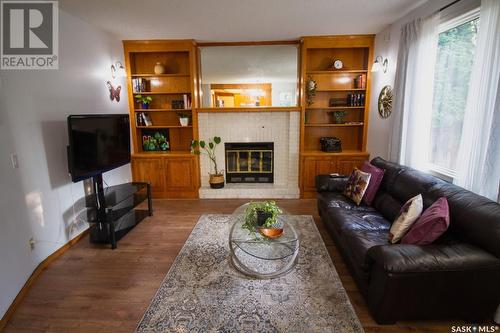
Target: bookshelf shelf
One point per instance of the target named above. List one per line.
(164, 126)
(334, 125)
(337, 108)
(344, 89)
(161, 92)
(161, 110)
(160, 75)
(345, 71)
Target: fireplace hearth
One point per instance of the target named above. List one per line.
(249, 162)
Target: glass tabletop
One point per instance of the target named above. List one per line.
(259, 246)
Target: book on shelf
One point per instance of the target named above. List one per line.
(360, 81)
(357, 99)
(143, 119)
(140, 85)
(187, 101)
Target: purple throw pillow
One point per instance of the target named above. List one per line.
(375, 180)
(433, 222)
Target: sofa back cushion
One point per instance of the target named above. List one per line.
(473, 218)
(433, 222)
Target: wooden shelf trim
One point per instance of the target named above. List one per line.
(342, 71)
(161, 93)
(334, 125)
(333, 90)
(160, 75)
(342, 153)
(166, 126)
(161, 110)
(252, 109)
(172, 153)
(336, 108)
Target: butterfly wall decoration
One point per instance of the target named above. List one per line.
(114, 93)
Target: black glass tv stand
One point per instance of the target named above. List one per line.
(113, 211)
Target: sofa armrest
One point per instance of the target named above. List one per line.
(325, 183)
(403, 258)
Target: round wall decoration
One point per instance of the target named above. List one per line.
(385, 102)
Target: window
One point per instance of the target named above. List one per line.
(455, 57)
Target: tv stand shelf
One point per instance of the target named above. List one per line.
(113, 211)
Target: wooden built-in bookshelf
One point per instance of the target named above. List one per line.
(173, 172)
(333, 87)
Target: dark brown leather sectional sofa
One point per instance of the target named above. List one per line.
(458, 276)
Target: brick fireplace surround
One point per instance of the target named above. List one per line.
(282, 128)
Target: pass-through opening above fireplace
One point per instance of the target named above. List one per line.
(249, 162)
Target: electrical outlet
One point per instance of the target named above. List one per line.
(14, 161)
(31, 242)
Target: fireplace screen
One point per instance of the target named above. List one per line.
(249, 162)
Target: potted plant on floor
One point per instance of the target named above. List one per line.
(262, 217)
(216, 178)
(143, 100)
(184, 118)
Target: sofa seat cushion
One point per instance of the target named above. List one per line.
(406, 258)
(343, 214)
(358, 242)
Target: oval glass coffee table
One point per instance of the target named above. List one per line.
(259, 256)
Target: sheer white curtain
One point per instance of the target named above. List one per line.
(413, 91)
(478, 167)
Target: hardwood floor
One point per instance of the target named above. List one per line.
(91, 288)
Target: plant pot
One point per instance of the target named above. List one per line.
(216, 181)
(184, 121)
(145, 105)
(262, 217)
(271, 232)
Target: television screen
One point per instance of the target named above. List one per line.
(97, 143)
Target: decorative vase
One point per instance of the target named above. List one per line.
(184, 121)
(216, 181)
(159, 68)
(145, 105)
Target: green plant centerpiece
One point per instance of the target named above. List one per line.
(262, 217)
(216, 178)
(143, 100)
(339, 116)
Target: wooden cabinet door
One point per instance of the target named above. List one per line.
(314, 166)
(149, 169)
(345, 165)
(180, 174)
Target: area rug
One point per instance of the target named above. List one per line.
(203, 292)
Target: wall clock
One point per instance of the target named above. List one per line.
(385, 102)
(337, 64)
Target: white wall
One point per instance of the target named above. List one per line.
(37, 199)
(386, 45)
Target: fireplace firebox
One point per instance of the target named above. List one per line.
(249, 162)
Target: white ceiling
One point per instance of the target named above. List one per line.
(238, 20)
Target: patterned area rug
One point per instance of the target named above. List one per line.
(202, 292)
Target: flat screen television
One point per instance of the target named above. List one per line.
(97, 143)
